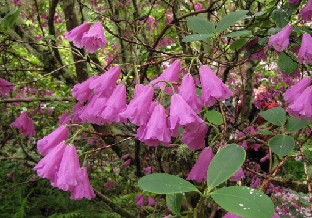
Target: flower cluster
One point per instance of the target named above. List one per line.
(61, 166)
(86, 36)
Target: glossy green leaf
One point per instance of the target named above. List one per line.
(287, 64)
(214, 117)
(276, 116)
(196, 37)
(282, 144)
(230, 19)
(225, 164)
(200, 25)
(174, 202)
(163, 183)
(238, 44)
(294, 124)
(238, 33)
(280, 18)
(244, 201)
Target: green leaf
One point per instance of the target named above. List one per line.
(163, 183)
(225, 164)
(214, 117)
(196, 37)
(174, 202)
(294, 124)
(287, 64)
(200, 25)
(276, 116)
(10, 18)
(280, 18)
(230, 19)
(244, 201)
(238, 33)
(238, 44)
(282, 144)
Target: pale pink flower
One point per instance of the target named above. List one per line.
(94, 38)
(25, 125)
(81, 91)
(84, 188)
(75, 35)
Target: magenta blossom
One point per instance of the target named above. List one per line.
(50, 141)
(238, 175)
(94, 38)
(171, 74)
(5, 87)
(25, 125)
(213, 88)
(81, 91)
(68, 175)
(294, 1)
(115, 105)
(91, 112)
(194, 135)
(199, 170)
(84, 188)
(139, 200)
(150, 201)
(230, 215)
(188, 92)
(50, 164)
(302, 106)
(64, 119)
(305, 51)
(296, 90)
(138, 109)
(280, 41)
(75, 35)
(156, 130)
(306, 11)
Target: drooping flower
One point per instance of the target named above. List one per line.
(105, 84)
(199, 170)
(306, 11)
(156, 130)
(50, 141)
(188, 92)
(84, 188)
(68, 174)
(302, 106)
(280, 41)
(194, 135)
(64, 119)
(138, 109)
(127, 163)
(150, 201)
(94, 38)
(75, 35)
(171, 74)
(181, 113)
(5, 87)
(91, 112)
(139, 200)
(148, 170)
(77, 110)
(230, 215)
(213, 88)
(238, 175)
(115, 105)
(305, 51)
(294, 91)
(50, 164)
(25, 125)
(81, 91)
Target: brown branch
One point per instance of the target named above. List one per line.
(11, 100)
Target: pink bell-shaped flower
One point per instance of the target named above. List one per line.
(139, 200)
(280, 41)
(75, 35)
(5, 87)
(84, 188)
(50, 164)
(188, 92)
(199, 170)
(81, 91)
(68, 174)
(105, 84)
(171, 74)
(213, 88)
(138, 109)
(25, 125)
(150, 201)
(194, 135)
(238, 175)
(305, 51)
(156, 130)
(230, 215)
(302, 106)
(50, 141)
(94, 38)
(115, 105)
(306, 11)
(64, 119)
(296, 90)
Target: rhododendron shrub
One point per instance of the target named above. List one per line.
(167, 109)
